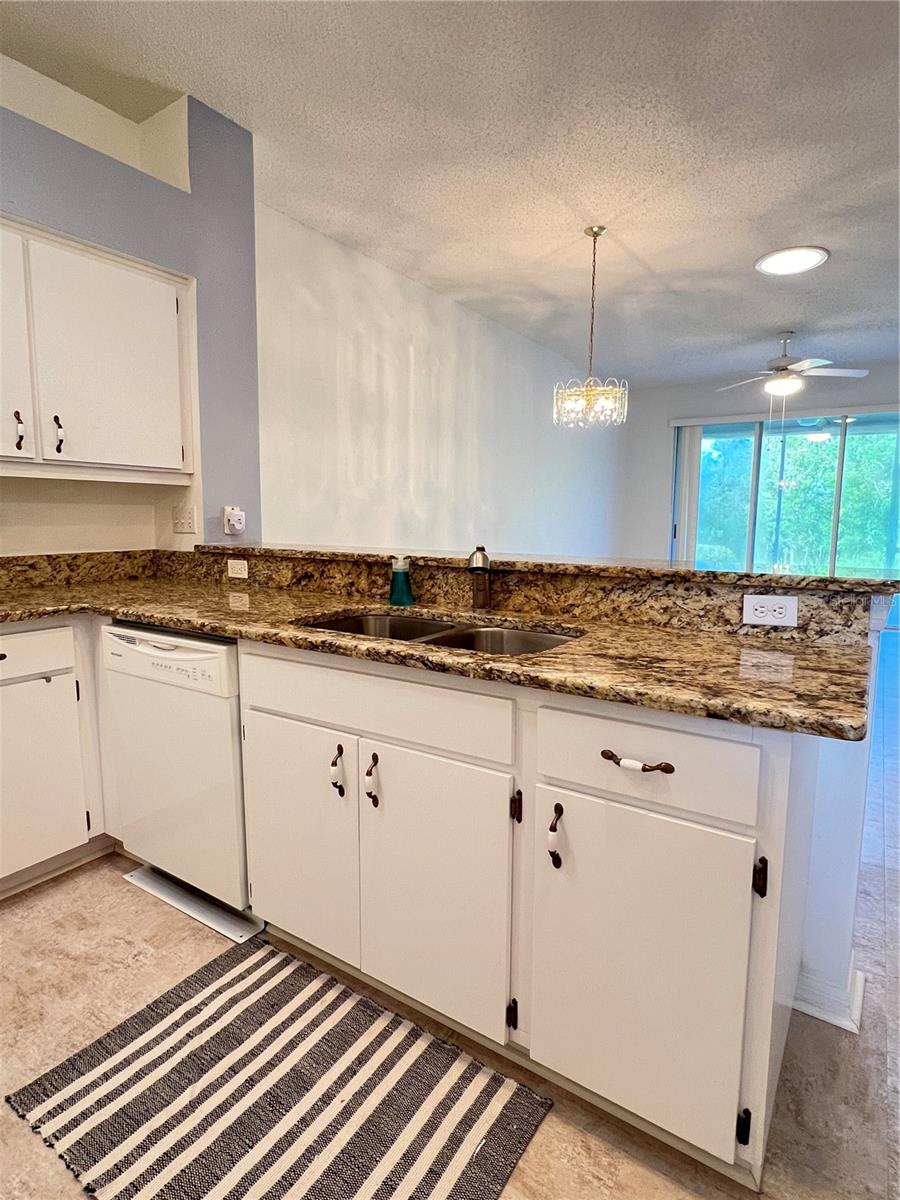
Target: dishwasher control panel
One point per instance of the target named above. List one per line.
(179, 661)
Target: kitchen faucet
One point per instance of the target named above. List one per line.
(479, 567)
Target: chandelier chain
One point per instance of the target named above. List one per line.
(590, 401)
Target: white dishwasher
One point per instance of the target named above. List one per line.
(172, 744)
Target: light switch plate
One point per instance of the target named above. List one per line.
(237, 568)
(184, 518)
(770, 610)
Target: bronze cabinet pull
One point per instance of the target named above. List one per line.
(335, 769)
(632, 764)
(553, 836)
(60, 434)
(369, 773)
(20, 429)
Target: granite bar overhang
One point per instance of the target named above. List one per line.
(679, 658)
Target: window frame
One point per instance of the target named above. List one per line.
(688, 436)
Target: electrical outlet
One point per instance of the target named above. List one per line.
(184, 518)
(237, 568)
(770, 610)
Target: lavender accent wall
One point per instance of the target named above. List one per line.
(52, 181)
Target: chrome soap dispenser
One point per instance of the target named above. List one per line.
(401, 592)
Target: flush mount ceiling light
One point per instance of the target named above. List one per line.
(594, 401)
(793, 260)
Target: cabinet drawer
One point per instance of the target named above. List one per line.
(43, 651)
(712, 776)
(459, 722)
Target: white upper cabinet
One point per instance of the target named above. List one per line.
(107, 359)
(17, 416)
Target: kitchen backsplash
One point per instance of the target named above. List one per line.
(619, 593)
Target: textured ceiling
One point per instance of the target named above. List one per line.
(468, 144)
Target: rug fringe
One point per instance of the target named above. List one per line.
(35, 1127)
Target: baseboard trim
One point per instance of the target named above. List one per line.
(841, 1006)
(30, 877)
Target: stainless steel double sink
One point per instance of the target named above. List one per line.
(484, 639)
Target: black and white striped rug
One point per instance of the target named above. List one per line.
(260, 1077)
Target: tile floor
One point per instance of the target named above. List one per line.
(83, 951)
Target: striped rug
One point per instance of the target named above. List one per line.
(260, 1077)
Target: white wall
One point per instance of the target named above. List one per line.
(645, 499)
(392, 416)
(53, 516)
(157, 146)
(58, 516)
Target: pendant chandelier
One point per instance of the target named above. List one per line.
(595, 401)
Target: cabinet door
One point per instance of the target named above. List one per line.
(42, 809)
(16, 431)
(303, 833)
(106, 349)
(640, 962)
(435, 861)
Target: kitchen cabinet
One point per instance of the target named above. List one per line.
(42, 799)
(96, 367)
(107, 358)
(641, 936)
(435, 870)
(653, 969)
(17, 419)
(302, 831)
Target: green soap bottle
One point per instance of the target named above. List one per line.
(401, 592)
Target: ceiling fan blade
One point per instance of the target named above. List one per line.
(805, 363)
(846, 372)
(729, 386)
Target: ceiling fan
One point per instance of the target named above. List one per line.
(785, 374)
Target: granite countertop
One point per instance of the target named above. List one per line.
(800, 687)
(612, 568)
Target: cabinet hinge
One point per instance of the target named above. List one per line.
(77, 690)
(742, 1129)
(87, 817)
(761, 876)
(512, 1014)
(515, 806)
(249, 889)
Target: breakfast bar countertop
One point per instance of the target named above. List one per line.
(795, 686)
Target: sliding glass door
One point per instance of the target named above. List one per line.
(806, 496)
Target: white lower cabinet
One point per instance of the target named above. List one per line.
(651, 956)
(303, 832)
(641, 943)
(435, 870)
(42, 805)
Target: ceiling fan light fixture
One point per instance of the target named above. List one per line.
(793, 260)
(783, 385)
(580, 403)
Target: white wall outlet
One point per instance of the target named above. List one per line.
(184, 518)
(770, 610)
(235, 519)
(237, 568)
